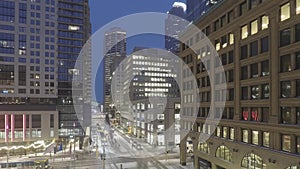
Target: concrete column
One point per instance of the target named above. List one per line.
(24, 127)
(12, 126)
(274, 64)
(6, 128)
(237, 69)
(196, 164)
(183, 151)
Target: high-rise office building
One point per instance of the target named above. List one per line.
(174, 24)
(149, 75)
(197, 8)
(40, 42)
(257, 42)
(115, 52)
(28, 85)
(73, 30)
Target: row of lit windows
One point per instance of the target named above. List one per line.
(224, 41)
(254, 27)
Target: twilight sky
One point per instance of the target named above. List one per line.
(105, 11)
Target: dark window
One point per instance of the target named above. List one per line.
(231, 112)
(265, 114)
(207, 30)
(18, 121)
(265, 91)
(230, 76)
(297, 60)
(243, 8)
(230, 16)
(285, 89)
(224, 59)
(231, 95)
(285, 37)
(265, 68)
(298, 88)
(244, 93)
(36, 121)
(51, 120)
(286, 115)
(254, 70)
(244, 52)
(253, 48)
(253, 3)
(297, 32)
(223, 20)
(22, 75)
(244, 73)
(264, 44)
(285, 63)
(216, 25)
(231, 59)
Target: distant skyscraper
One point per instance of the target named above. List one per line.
(196, 8)
(174, 25)
(115, 52)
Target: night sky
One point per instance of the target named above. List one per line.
(105, 11)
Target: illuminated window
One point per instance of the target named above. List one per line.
(285, 12)
(217, 44)
(266, 139)
(224, 153)
(225, 132)
(231, 134)
(286, 143)
(264, 22)
(245, 134)
(73, 28)
(218, 131)
(253, 161)
(203, 147)
(244, 32)
(254, 27)
(255, 137)
(231, 38)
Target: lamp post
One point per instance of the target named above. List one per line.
(74, 125)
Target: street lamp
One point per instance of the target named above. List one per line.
(74, 125)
